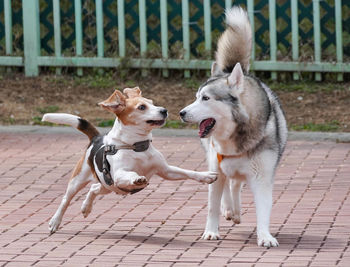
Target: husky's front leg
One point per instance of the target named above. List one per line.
(215, 192)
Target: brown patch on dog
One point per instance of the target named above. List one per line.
(115, 103)
(78, 167)
(92, 168)
(131, 104)
(87, 128)
(132, 92)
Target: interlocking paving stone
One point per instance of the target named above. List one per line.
(162, 225)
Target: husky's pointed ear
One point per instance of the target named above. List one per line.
(132, 92)
(236, 77)
(115, 103)
(215, 70)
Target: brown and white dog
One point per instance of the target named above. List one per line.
(123, 160)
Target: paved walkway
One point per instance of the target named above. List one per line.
(162, 225)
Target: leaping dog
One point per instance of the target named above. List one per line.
(123, 160)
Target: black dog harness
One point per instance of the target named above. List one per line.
(100, 151)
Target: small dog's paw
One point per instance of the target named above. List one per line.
(54, 224)
(86, 209)
(208, 177)
(142, 180)
(209, 235)
(267, 240)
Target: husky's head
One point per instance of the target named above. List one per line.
(133, 109)
(218, 107)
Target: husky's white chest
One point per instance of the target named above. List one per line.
(237, 168)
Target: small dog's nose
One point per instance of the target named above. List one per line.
(182, 113)
(164, 112)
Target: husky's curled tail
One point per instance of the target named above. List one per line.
(235, 44)
(81, 124)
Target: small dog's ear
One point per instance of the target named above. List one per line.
(236, 78)
(115, 103)
(132, 92)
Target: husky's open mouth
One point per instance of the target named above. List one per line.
(156, 123)
(205, 127)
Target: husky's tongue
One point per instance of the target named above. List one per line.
(205, 126)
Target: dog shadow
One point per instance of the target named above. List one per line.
(246, 238)
(288, 240)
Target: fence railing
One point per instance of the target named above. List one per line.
(176, 34)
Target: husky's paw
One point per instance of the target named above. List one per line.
(227, 213)
(209, 235)
(236, 218)
(54, 224)
(267, 240)
(141, 180)
(207, 177)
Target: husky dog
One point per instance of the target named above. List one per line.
(244, 128)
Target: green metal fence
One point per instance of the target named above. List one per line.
(290, 36)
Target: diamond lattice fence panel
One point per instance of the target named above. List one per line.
(197, 46)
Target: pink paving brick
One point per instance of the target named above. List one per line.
(161, 225)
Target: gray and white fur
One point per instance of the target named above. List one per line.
(240, 120)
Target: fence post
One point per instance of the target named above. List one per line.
(186, 34)
(31, 32)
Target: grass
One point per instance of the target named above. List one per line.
(308, 87)
(174, 124)
(36, 120)
(313, 127)
(105, 123)
(104, 80)
(48, 109)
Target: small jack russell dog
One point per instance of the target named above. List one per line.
(123, 160)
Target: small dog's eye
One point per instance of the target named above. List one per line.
(142, 107)
(205, 98)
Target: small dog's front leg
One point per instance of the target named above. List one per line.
(175, 173)
(129, 180)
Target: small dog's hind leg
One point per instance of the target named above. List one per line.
(78, 181)
(95, 189)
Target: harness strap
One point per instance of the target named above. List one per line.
(112, 150)
(220, 157)
(106, 168)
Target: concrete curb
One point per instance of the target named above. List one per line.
(308, 136)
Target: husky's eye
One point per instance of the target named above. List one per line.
(205, 98)
(141, 107)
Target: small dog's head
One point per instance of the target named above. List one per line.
(133, 109)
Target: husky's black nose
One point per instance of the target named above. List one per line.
(164, 112)
(182, 113)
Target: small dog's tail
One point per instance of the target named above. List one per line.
(235, 44)
(74, 121)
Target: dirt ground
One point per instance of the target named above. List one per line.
(308, 105)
